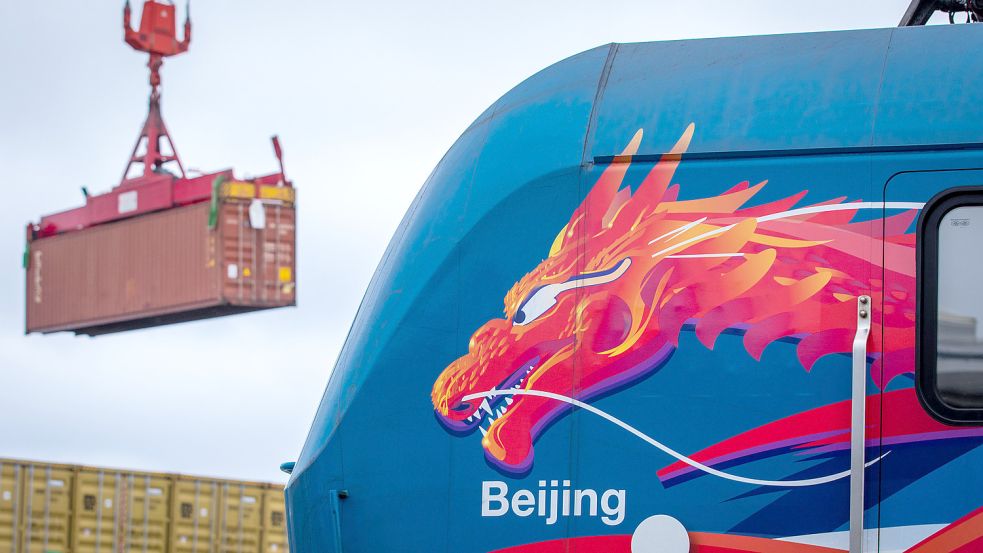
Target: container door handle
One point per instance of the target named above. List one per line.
(858, 424)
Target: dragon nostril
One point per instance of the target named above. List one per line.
(463, 406)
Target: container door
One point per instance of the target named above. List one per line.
(930, 369)
(10, 502)
(274, 521)
(46, 508)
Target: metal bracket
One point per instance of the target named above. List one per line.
(920, 11)
(858, 424)
(334, 499)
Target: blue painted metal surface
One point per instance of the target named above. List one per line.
(838, 114)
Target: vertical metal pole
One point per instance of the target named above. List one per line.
(261, 272)
(47, 507)
(194, 518)
(242, 537)
(99, 513)
(146, 512)
(116, 513)
(276, 255)
(858, 425)
(13, 514)
(15, 519)
(29, 510)
(242, 269)
(215, 526)
(124, 508)
(128, 528)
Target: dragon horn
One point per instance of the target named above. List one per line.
(654, 187)
(598, 200)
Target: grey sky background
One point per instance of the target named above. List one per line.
(366, 98)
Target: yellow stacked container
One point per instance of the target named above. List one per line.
(274, 520)
(120, 511)
(242, 518)
(50, 508)
(149, 501)
(46, 508)
(97, 501)
(194, 524)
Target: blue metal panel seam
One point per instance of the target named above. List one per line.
(602, 84)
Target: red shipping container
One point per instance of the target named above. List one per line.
(167, 267)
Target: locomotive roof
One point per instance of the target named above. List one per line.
(899, 88)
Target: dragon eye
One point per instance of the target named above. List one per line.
(541, 299)
(538, 302)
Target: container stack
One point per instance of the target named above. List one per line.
(52, 508)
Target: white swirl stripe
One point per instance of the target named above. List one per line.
(679, 230)
(666, 449)
(781, 215)
(703, 255)
(840, 207)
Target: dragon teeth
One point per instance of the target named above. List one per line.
(494, 413)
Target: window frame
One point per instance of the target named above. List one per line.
(927, 306)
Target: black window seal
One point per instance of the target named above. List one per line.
(927, 308)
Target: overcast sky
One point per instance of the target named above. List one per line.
(366, 97)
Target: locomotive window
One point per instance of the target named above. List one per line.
(950, 319)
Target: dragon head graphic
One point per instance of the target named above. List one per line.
(631, 270)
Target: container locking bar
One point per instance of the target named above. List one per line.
(858, 424)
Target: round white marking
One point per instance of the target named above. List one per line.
(660, 534)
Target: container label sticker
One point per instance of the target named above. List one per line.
(286, 275)
(204, 512)
(6, 495)
(126, 202)
(108, 503)
(232, 270)
(257, 214)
